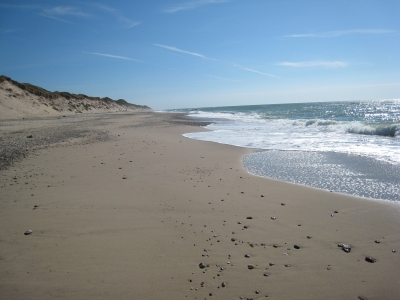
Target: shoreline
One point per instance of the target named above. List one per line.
(135, 212)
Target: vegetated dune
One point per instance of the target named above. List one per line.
(19, 100)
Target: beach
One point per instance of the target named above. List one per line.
(123, 206)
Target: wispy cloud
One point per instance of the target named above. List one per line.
(180, 50)
(193, 5)
(16, 6)
(59, 12)
(222, 78)
(328, 34)
(114, 56)
(66, 11)
(255, 71)
(7, 31)
(204, 57)
(318, 63)
(121, 18)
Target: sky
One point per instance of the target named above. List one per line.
(171, 54)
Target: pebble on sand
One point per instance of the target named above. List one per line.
(370, 259)
(28, 232)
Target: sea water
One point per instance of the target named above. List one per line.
(347, 147)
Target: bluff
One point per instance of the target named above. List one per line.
(19, 100)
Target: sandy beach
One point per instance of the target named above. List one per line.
(122, 206)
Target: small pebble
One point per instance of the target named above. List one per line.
(202, 266)
(377, 242)
(247, 255)
(273, 218)
(28, 232)
(250, 267)
(249, 218)
(296, 246)
(265, 274)
(223, 284)
(370, 259)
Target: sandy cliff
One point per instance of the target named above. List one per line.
(18, 100)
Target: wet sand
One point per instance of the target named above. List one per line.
(133, 214)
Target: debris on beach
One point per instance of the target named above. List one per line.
(202, 266)
(370, 259)
(250, 267)
(28, 232)
(346, 248)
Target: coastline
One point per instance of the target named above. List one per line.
(98, 235)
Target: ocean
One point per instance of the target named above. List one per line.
(345, 147)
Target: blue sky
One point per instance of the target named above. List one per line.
(197, 53)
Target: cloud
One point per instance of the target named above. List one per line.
(222, 78)
(60, 11)
(193, 4)
(115, 56)
(328, 34)
(181, 51)
(19, 6)
(124, 20)
(318, 63)
(255, 71)
(65, 11)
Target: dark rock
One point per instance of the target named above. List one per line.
(370, 259)
(296, 246)
(250, 267)
(378, 242)
(249, 218)
(28, 232)
(223, 284)
(202, 266)
(265, 274)
(247, 255)
(29, 136)
(273, 218)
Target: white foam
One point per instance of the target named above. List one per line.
(381, 142)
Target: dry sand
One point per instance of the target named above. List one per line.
(96, 235)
